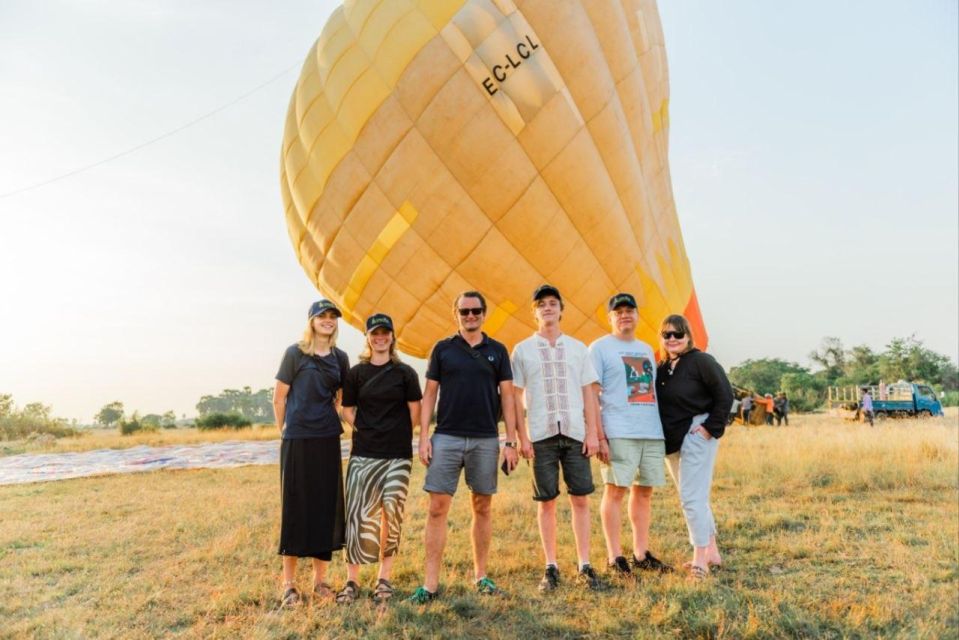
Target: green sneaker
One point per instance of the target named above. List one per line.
(487, 587)
(422, 596)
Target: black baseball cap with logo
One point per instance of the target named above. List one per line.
(323, 305)
(621, 299)
(544, 290)
(378, 320)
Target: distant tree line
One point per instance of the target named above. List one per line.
(255, 406)
(902, 359)
(33, 419)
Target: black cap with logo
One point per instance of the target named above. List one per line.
(323, 305)
(378, 320)
(621, 299)
(544, 290)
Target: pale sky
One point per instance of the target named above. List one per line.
(813, 152)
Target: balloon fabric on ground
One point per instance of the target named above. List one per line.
(436, 146)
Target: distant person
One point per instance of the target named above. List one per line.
(381, 401)
(770, 406)
(747, 408)
(632, 445)
(781, 407)
(867, 407)
(553, 381)
(311, 470)
(471, 374)
(694, 397)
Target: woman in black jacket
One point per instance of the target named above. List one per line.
(694, 398)
(311, 469)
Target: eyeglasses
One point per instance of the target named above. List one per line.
(476, 311)
(673, 335)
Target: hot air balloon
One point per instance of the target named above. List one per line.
(435, 146)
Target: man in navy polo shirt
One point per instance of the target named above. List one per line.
(471, 374)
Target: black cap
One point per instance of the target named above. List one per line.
(379, 320)
(544, 290)
(621, 299)
(323, 305)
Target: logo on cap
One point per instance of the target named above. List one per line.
(621, 299)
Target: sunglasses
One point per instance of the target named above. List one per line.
(673, 335)
(476, 311)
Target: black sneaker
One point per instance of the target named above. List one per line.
(620, 568)
(588, 578)
(550, 579)
(651, 563)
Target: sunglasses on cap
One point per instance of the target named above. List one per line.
(673, 335)
(476, 311)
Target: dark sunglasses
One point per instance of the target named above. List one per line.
(477, 311)
(673, 335)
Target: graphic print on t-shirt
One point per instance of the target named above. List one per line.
(639, 380)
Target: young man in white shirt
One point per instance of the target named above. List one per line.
(553, 380)
(632, 445)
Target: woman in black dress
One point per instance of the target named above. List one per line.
(694, 398)
(381, 400)
(311, 471)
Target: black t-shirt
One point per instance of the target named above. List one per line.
(382, 428)
(697, 385)
(310, 403)
(469, 378)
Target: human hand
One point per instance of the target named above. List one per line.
(526, 449)
(426, 451)
(603, 453)
(590, 445)
(511, 457)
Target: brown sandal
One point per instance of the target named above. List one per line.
(322, 591)
(383, 591)
(347, 594)
(697, 573)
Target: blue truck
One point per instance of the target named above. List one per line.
(898, 400)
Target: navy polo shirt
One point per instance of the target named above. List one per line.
(310, 403)
(469, 378)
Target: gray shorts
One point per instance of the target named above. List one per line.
(553, 453)
(479, 456)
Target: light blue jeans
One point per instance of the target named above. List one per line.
(692, 470)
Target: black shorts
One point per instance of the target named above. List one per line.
(550, 455)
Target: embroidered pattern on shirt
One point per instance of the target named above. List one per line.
(552, 362)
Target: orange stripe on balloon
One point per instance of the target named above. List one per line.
(695, 317)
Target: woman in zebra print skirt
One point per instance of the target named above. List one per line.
(381, 400)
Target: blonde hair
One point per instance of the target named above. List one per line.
(306, 342)
(367, 352)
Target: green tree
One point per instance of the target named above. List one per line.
(168, 420)
(861, 366)
(110, 414)
(909, 359)
(255, 406)
(831, 357)
(764, 375)
(6, 405)
(804, 390)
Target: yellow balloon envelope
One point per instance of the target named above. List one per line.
(434, 146)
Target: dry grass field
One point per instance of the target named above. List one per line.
(829, 529)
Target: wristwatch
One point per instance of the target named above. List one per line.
(510, 444)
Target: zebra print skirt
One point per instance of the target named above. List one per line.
(375, 496)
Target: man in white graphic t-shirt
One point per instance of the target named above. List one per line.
(632, 447)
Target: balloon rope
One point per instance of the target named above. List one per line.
(162, 136)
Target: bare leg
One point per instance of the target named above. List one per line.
(546, 512)
(580, 516)
(289, 571)
(434, 538)
(612, 519)
(640, 514)
(319, 570)
(482, 532)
